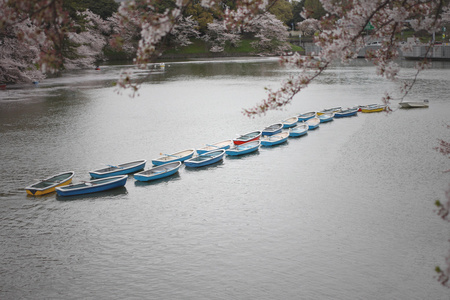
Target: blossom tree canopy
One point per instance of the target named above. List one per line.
(271, 34)
(218, 35)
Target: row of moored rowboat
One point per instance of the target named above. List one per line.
(114, 176)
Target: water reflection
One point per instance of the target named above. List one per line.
(244, 156)
(216, 165)
(165, 180)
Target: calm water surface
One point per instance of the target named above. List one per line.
(345, 212)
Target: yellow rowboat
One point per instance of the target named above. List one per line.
(49, 184)
(373, 108)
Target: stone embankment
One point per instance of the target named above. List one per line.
(438, 52)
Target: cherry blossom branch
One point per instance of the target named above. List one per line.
(341, 36)
(443, 211)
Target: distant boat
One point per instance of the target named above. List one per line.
(326, 117)
(276, 139)
(373, 108)
(414, 104)
(93, 186)
(299, 130)
(121, 169)
(158, 172)
(49, 184)
(272, 129)
(248, 137)
(346, 113)
(178, 156)
(312, 123)
(215, 146)
(290, 122)
(359, 107)
(244, 148)
(205, 159)
(329, 110)
(306, 116)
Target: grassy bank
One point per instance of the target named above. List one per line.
(199, 48)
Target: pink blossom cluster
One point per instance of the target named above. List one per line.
(245, 12)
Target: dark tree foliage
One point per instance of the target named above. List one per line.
(103, 8)
(297, 8)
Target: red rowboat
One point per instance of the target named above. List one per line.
(248, 137)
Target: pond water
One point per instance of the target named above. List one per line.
(345, 212)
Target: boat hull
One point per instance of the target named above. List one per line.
(158, 172)
(313, 123)
(291, 122)
(329, 110)
(324, 118)
(94, 186)
(298, 131)
(306, 116)
(214, 157)
(117, 170)
(347, 113)
(243, 149)
(173, 157)
(272, 129)
(373, 108)
(413, 104)
(242, 139)
(275, 139)
(216, 146)
(47, 185)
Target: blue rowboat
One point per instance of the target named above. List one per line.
(329, 110)
(205, 159)
(272, 129)
(312, 123)
(122, 169)
(326, 118)
(290, 122)
(244, 148)
(299, 130)
(158, 172)
(275, 139)
(248, 137)
(346, 113)
(306, 116)
(93, 186)
(49, 184)
(216, 146)
(178, 156)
